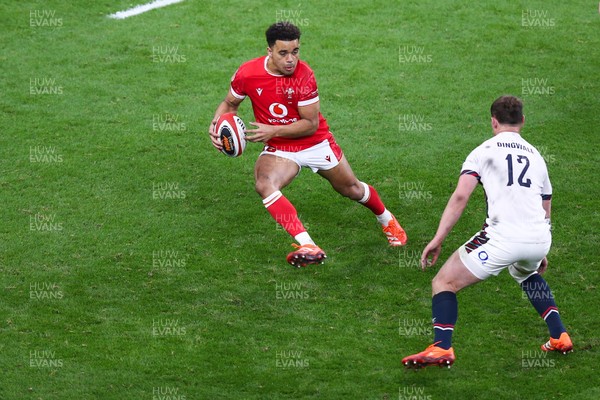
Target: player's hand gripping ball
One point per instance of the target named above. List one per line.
(231, 131)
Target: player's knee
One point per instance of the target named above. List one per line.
(353, 191)
(441, 284)
(264, 187)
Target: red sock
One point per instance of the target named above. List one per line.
(284, 213)
(371, 200)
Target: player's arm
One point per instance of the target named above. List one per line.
(454, 209)
(229, 104)
(305, 126)
(547, 205)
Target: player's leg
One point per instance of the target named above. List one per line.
(271, 174)
(342, 179)
(541, 298)
(451, 278)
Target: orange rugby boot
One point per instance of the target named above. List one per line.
(563, 344)
(395, 234)
(432, 355)
(306, 255)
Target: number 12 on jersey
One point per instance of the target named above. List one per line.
(521, 180)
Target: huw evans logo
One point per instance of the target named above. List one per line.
(536, 86)
(44, 86)
(44, 359)
(293, 16)
(44, 223)
(414, 191)
(537, 19)
(546, 155)
(536, 359)
(168, 123)
(413, 393)
(168, 259)
(415, 327)
(167, 327)
(167, 190)
(409, 259)
(537, 291)
(44, 18)
(44, 154)
(290, 291)
(290, 359)
(413, 123)
(167, 393)
(45, 291)
(289, 222)
(410, 54)
(167, 54)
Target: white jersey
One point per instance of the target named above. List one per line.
(515, 180)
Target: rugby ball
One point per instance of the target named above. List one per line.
(230, 129)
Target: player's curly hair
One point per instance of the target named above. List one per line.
(508, 110)
(282, 30)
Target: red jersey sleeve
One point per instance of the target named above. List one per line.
(237, 85)
(309, 93)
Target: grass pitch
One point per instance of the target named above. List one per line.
(137, 262)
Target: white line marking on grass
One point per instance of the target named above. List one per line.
(142, 8)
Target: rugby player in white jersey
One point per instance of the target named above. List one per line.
(515, 236)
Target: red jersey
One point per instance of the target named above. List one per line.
(276, 98)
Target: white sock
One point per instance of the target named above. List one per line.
(303, 238)
(385, 217)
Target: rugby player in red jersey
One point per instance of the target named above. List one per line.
(285, 101)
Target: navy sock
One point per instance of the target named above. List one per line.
(539, 294)
(444, 309)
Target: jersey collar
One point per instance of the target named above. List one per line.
(508, 132)
(267, 69)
